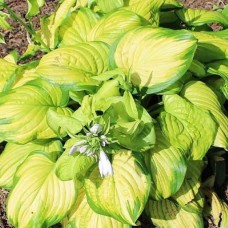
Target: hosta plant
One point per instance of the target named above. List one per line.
(114, 125)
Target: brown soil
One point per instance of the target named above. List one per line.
(205, 4)
(16, 40)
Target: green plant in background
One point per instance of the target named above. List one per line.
(116, 119)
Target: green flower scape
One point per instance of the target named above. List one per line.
(113, 125)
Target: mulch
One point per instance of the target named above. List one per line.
(16, 40)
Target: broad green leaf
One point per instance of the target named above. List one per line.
(210, 47)
(202, 96)
(109, 89)
(77, 27)
(107, 6)
(198, 17)
(63, 124)
(8, 70)
(51, 24)
(173, 128)
(155, 58)
(24, 109)
(85, 113)
(77, 96)
(166, 214)
(122, 196)
(219, 87)
(131, 107)
(188, 196)
(70, 166)
(220, 68)
(198, 69)
(74, 66)
(148, 9)
(184, 124)
(34, 7)
(39, 199)
(218, 209)
(134, 131)
(167, 166)
(171, 4)
(114, 24)
(14, 155)
(82, 216)
(3, 22)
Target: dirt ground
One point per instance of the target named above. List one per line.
(16, 39)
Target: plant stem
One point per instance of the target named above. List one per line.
(29, 29)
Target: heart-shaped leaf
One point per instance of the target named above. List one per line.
(14, 155)
(82, 216)
(123, 195)
(154, 58)
(167, 166)
(39, 199)
(30, 102)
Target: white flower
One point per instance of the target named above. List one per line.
(77, 146)
(105, 166)
(83, 149)
(96, 129)
(104, 140)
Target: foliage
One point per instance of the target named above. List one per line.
(119, 117)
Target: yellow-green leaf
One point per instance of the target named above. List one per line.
(34, 7)
(51, 24)
(219, 68)
(77, 27)
(198, 17)
(75, 65)
(189, 196)
(39, 199)
(8, 70)
(184, 124)
(148, 9)
(14, 155)
(167, 166)
(82, 216)
(70, 166)
(165, 213)
(3, 22)
(122, 196)
(171, 4)
(107, 6)
(198, 69)
(202, 96)
(114, 24)
(24, 109)
(210, 47)
(155, 58)
(218, 210)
